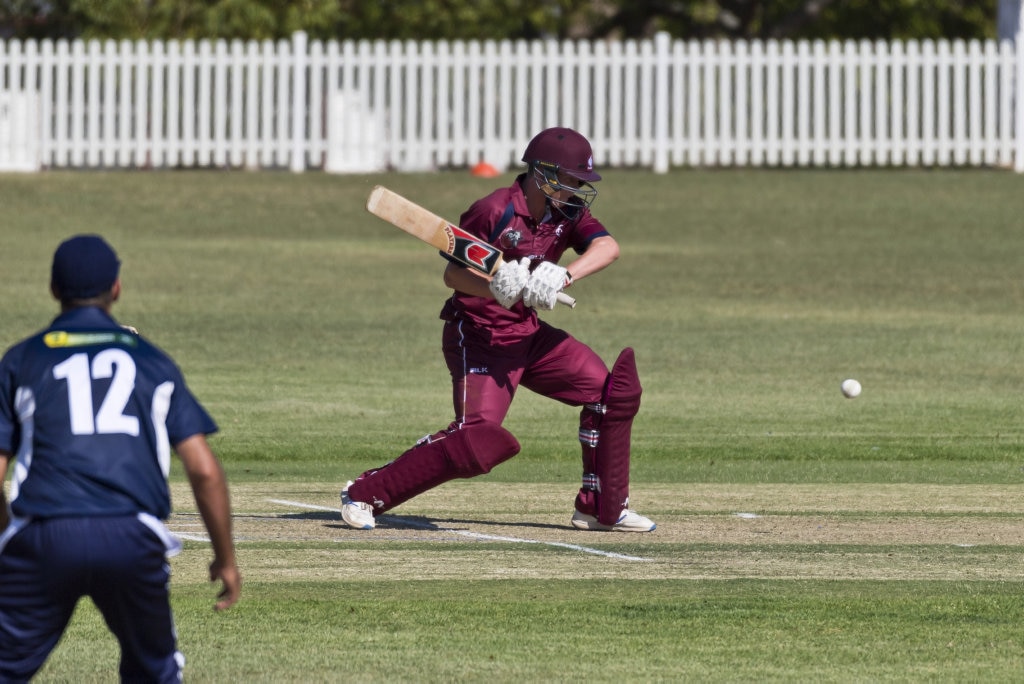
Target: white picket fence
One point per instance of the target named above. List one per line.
(364, 106)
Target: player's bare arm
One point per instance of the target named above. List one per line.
(600, 254)
(466, 281)
(209, 486)
(5, 457)
(548, 280)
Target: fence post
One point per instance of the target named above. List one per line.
(1018, 110)
(299, 60)
(662, 100)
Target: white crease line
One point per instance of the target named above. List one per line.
(192, 537)
(299, 504)
(477, 535)
(574, 547)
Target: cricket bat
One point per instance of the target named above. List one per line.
(434, 230)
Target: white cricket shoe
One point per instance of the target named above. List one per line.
(357, 514)
(629, 521)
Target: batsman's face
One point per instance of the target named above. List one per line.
(561, 185)
(568, 184)
(563, 188)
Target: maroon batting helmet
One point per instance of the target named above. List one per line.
(566, 149)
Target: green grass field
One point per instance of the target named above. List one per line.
(801, 536)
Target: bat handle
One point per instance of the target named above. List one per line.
(567, 300)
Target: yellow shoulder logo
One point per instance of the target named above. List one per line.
(60, 338)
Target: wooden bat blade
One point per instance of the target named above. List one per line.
(437, 232)
(408, 216)
(434, 230)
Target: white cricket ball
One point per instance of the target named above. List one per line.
(850, 388)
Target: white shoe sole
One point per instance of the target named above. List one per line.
(354, 514)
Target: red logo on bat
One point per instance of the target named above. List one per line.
(478, 254)
(472, 251)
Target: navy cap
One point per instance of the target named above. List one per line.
(84, 266)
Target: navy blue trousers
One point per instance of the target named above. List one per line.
(118, 562)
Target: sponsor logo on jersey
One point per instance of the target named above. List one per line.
(61, 339)
(510, 238)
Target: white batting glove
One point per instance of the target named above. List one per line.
(508, 282)
(546, 281)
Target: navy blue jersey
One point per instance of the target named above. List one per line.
(90, 412)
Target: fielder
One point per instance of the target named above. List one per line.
(89, 412)
(493, 343)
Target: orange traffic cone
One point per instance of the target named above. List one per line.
(484, 170)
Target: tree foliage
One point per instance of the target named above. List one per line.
(455, 19)
(497, 19)
(180, 19)
(871, 19)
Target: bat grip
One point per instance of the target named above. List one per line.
(567, 300)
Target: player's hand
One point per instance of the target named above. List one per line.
(508, 283)
(546, 281)
(231, 579)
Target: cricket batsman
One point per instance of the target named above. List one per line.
(494, 342)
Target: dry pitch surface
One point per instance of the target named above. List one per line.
(480, 530)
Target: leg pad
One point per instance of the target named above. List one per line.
(605, 433)
(458, 452)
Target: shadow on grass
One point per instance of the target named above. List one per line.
(391, 522)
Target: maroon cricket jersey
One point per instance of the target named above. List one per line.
(502, 219)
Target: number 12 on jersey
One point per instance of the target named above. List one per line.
(119, 367)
